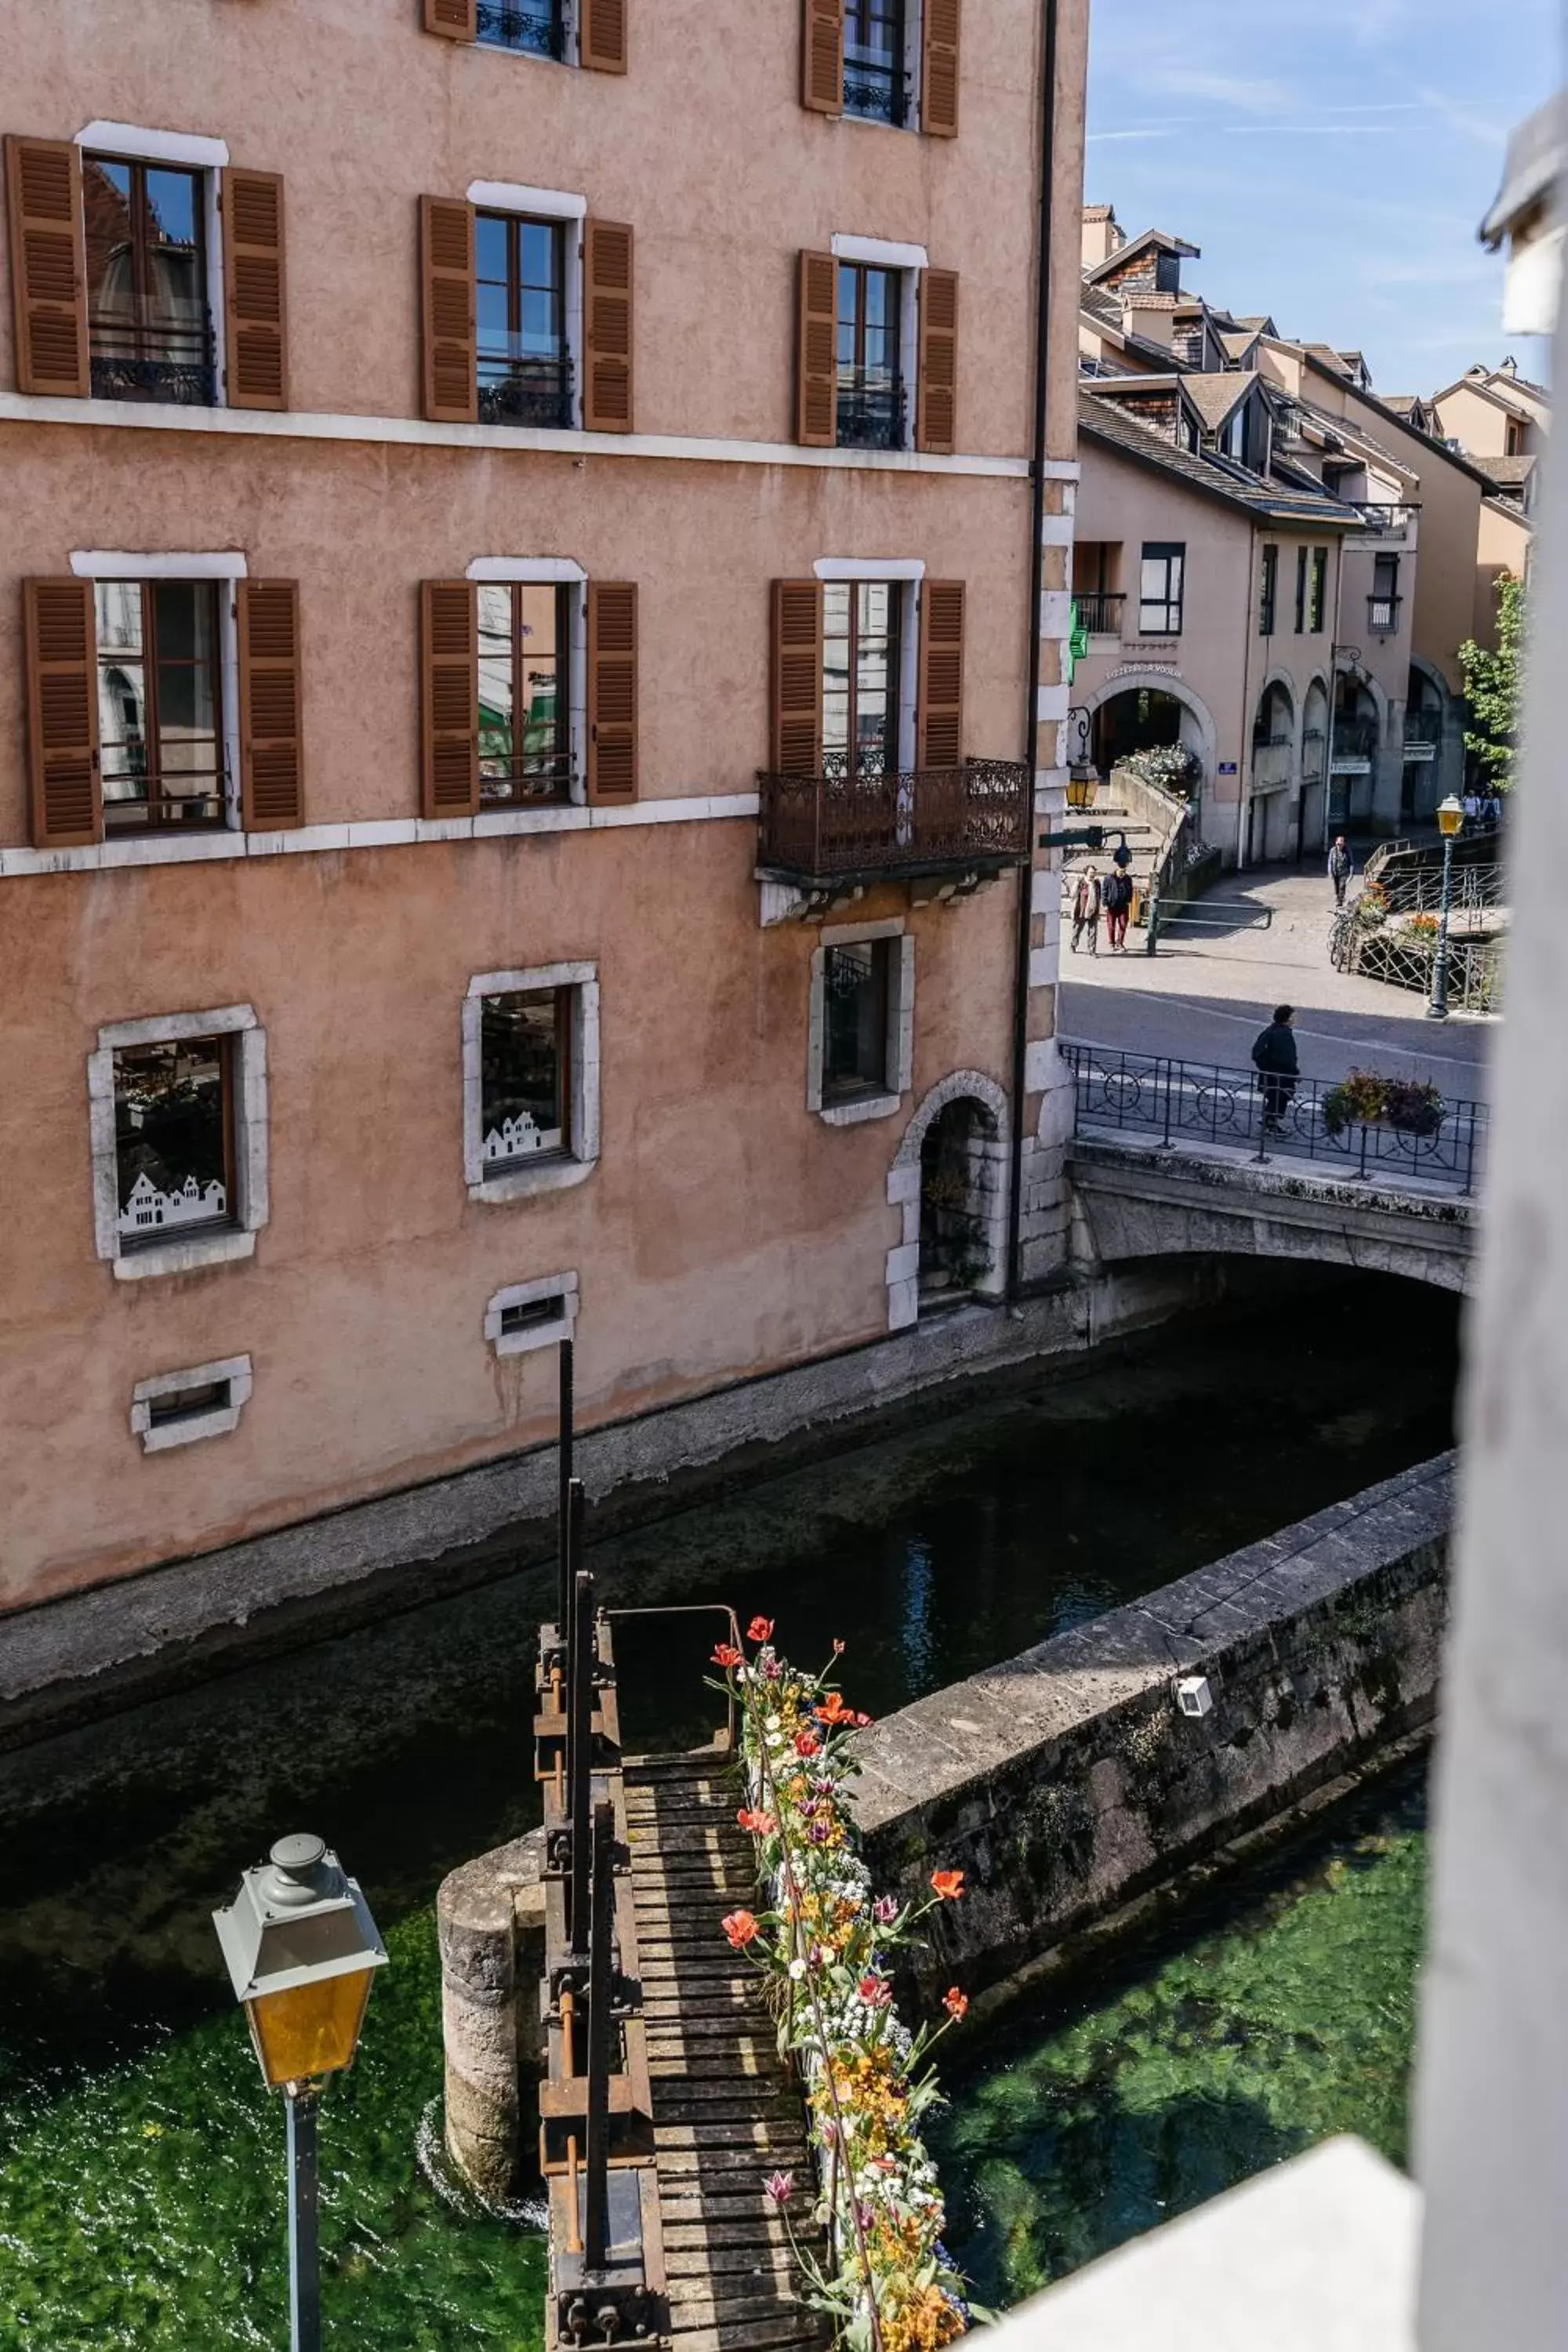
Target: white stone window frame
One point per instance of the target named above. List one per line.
(578, 1161)
(537, 1335)
(192, 1427)
(187, 151)
(909, 261)
(899, 1066)
(560, 572)
(228, 567)
(571, 211)
(193, 1253)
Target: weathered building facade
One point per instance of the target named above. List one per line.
(518, 779)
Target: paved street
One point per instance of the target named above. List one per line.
(1207, 992)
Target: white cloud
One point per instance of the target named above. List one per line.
(1247, 94)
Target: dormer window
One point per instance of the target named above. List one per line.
(1167, 272)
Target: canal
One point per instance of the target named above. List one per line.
(140, 2161)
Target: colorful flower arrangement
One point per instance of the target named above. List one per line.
(1414, 1106)
(825, 1949)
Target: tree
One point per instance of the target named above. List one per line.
(1493, 687)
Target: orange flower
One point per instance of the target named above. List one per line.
(741, 1928)
(726, 1655)
(948, 1883)
(832, 1709)
(760, 1629)
(956, 2003)
(759, 1824)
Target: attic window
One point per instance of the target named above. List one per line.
(530, 1314)
(184, 1404)
(1167, 273)
(181, 1408)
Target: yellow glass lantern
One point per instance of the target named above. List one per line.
(302, 1948)
(1450, 816)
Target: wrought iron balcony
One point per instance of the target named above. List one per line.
(1101, 614)
(1422, 734)
(179, 800)
(847, 824)
(172, 364)
(512, 780)
(526, 392)
(1383, 615)
(1386, 520)
(870, 410)
(1355, 742)
(540, 31)
(876, 91)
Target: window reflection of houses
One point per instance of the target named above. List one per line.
(149, 327)
(525, 699)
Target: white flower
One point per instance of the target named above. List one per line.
(798, 1970)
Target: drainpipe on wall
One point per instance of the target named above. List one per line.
(1036, 577)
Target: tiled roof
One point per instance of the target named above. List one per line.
(1099, 212)
(1213, 396)
(1219, 478)
(1238, 345)
(1507, 473)
(1102, 308)
(1137, 299)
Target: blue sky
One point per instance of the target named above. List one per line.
(1331, 157)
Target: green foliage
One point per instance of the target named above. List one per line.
(1414, 1105)
(1493, 686)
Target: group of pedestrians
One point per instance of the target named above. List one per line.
(1113, 899)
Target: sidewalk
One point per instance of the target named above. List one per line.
(1206, 994)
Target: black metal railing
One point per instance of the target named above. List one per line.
(525, 776)
(1100, 613)
(526, 392)
(874, 91)
(173, 364)
(540, 32)
(1424, 727)
(1383, 517)
(155, 804)
(1428, 1141)
(848, 822)
(1354, 739)
(1383, 615)
(872, 411)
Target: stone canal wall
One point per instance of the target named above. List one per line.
(1066, 1783)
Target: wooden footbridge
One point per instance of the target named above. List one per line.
(665, 2106)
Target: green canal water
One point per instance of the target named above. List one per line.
(140, 2163)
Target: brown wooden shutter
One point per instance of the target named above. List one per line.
(936, 404)
(816, 372)
(603, 35)
(62, 713)
(822, 56)
(941, 675)
(612, 690)
(272, 749)
(607, 304)
(449, 304)
(939, 69)
(455, 20)
(254, 294)
(796, 747)
(48, 269)
(450, 703)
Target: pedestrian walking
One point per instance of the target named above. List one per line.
(1342, 866)
(1278, 1064)
(1086, 907)
(1116, 897)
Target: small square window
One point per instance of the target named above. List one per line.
(525, 1045)
(855, 1020)
(188, 1404)
(173, 1138)
(533, 1314)
(182, 1408)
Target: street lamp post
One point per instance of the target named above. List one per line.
(301, 1947)
(1451, 821)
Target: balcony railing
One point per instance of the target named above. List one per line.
(173, 364)
(540, 32)
(1383, 615)
(846, 824)
(1386, 520)
(1425, 728)
(183, 799)
(870, 411)
(874, 91)
(526, 392)
(508, 781)
(1100, 613)
(1355, 742)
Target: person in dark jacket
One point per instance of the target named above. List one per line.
(1117, 899)
(1278, 1064)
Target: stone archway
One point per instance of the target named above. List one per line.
(949, 1179)
(1198, 732)
(1272, 774)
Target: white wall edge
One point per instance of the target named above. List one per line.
(510, 196)
(537, 568)
(870, 567)
(110, 563)
(156, 146)
(308, 424)
(880, 252)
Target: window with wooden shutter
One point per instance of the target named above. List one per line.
(822, 56)
(67, 800)
(936, 401)
(816, 371)
(603, 35)
(254, 299)
(48, 275)
(797, 745)
(939, 69)
(271, 762)
(941, 675)
(455, 20)
(612, 690)
(450, 701)
(447, 273)
(607, 307)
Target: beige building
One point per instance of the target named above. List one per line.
(536, 647)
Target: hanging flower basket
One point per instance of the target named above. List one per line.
(1412, 1105)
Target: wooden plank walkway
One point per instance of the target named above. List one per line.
(726, 2110)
